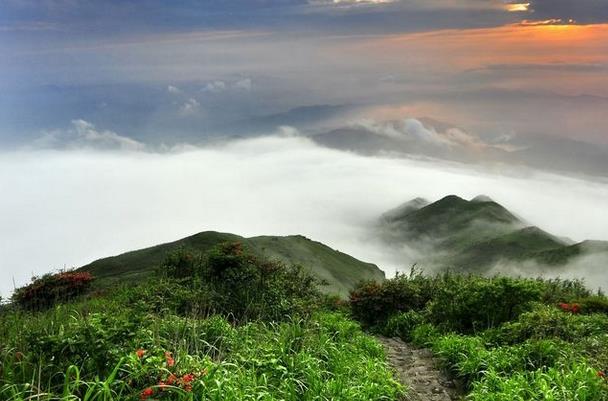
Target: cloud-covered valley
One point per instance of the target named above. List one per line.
(68, 207)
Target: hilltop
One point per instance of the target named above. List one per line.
(473, 235)
(340, 271)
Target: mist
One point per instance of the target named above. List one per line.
(66, 208)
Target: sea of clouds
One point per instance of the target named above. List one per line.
(67, 207)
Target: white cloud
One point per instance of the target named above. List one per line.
(79, 205)
(83, 134)
(243, 84)
(214, 86)
(174, 90)
(190, 107)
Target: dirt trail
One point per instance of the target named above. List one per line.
(416, 368)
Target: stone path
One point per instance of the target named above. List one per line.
(416, 368)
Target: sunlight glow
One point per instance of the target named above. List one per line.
(518, 7)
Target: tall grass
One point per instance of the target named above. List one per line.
(504, 339)
(88, 351)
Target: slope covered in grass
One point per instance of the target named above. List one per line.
(474, 235)
(228, 326)
(340, 271)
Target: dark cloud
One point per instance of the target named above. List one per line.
(582, 11)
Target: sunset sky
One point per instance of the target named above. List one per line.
(184, 71)
(126, 123)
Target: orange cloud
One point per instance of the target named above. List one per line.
(517, 7)
(475, 48)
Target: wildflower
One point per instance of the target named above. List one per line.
(601, 373)
(170, 360)
(147, 393)
(140, 353)
(171, 379)
(187, 379)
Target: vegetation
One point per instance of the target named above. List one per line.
(339, 272)
(223, 326)
(231, 324)
(475, 235)
(502, 338)
(49, 289)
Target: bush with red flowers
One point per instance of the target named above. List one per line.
(44, 292)
(572, 308)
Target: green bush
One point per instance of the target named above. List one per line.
(230, 281)
(373, 303)
(546, 322)
(402, 324)
(469, 304)
(594, 304)
(455, 302)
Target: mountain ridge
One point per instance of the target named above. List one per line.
(341, 271)
(473, 235)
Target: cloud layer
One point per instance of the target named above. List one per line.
(67, 208)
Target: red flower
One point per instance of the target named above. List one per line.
(147, 393)
(170, 360)
(140, 353)
(601, 373)
(187, 379)
(171, 379)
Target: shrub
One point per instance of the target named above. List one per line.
(594, 304)
(546, 322)
(181, 263)
(233, 282)
(373, 303)
(402, 324)
(469, 304)
(44, 292)
(559, 290)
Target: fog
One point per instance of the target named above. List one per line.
(64, 208)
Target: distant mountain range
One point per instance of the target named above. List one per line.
(474, 235)
(341, 271)
(425, 137)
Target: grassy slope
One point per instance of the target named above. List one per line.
(340, 270)
(518, 245)
(475, 234)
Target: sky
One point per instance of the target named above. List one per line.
(186, 71)
(95, 96)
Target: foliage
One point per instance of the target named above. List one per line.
(222, 326)
(231, 281)
(469, 304)
(502, 338)
(180, 358)
(44, 292)
(455, 302)
(403, 324)
(372, 302)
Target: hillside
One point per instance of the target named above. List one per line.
(341, 271)
(473, 235)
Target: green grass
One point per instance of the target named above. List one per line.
(340, 271)
(502, 338)
(87, 351)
